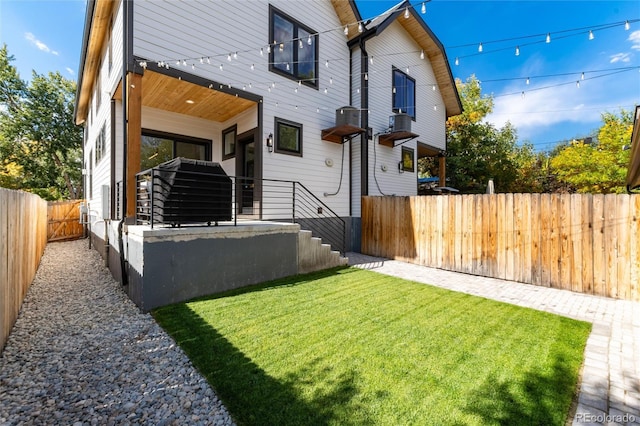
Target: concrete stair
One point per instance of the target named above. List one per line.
(313, 255)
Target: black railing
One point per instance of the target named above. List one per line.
(183, 199)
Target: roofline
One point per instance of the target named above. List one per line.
(399, 9)
(88, 19)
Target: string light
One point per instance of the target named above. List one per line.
(300, 45)
(261, 51)
(457, 61)
(221, 67)
(480, 47)
(626, 25)
(269, 48)
(202, 60)
(423, 9)
(578, 84)
(582, 76)
(235, 55)
(288, 67)
(281, 47)
(406, 13)
(548, 39)
(346, 30)
(253, 67)
(330, 80)
(591, 36)
(527, 82)
(326, 63)
(184, 63)
(422, 54)
(360, 29)
(433, 87)
(517, 50)
(371, 60)
(229, 57)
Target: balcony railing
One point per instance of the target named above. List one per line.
(181, 199)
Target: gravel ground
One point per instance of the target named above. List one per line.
(82, 353)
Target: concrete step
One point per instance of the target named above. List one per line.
(314, 255)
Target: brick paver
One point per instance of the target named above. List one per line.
(610, 387)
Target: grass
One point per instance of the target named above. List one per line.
(353, 347)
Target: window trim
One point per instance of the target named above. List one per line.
(297, 25)
(393, 95)
(281, 121)
(101, 144)
(411, 152)
(233, 129)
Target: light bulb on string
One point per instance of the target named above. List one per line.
(626, 25)
(371, 60)
(202, 60)
(235, 55)
(268, 48)
(261, 51)
(346, 30)
(366, 76)
(423, 9)
(480, 47)
(406, 13)
(394, 90)
(435, 107)
(517, 50)
(300, 45)
(221, 67)
(253, 67)
(178, 62)
(548, 39)
(457, 62)
(326, 90)
(522, 95)
(578, 84)
(422, 54)
(281, 47)
(433, 87)
(326, 63)
(360, 29)
(288, 67)
(591, 36)
(330, 80)
(527, 82)
(309, 40)
(229, 57)
(184, 63)
(208, 60)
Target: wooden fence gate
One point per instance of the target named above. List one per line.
(64, 220)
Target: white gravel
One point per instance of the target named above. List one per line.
(81, 353)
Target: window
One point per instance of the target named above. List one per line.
(404, 93)
(288, 137)
(229, 142)
(407, 159)
(100, 145)
(294, 52)
(90, 174)
(157, 147)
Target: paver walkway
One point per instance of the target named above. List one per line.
(610, 387)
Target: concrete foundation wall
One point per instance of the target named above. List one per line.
(173, 265)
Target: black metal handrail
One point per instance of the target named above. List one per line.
(249, 199)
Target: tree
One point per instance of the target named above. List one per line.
(598, 166)
(477, 151)
(40, 147)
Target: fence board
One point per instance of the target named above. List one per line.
(23, 232)
(585, 243)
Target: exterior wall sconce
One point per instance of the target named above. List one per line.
(270, 142)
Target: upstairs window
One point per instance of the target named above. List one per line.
(294, 49)
(404, 93)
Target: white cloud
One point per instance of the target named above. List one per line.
(634, 38)
(39, 44)
(620, 57)
(70, 71)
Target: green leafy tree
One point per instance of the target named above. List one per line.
(478, 151)
(598, 166)
(40, 146)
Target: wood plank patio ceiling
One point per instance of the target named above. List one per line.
(171, 94)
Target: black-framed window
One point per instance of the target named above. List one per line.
(229, 139)
(407, 159)
(404, 93)
(288, 137)
(158, 147)
(101, 143)
(294, 48)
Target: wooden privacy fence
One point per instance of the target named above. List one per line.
(64, 220)
(580, 242)
(23, 237)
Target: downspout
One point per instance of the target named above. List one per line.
(126, 17)
(364, 118)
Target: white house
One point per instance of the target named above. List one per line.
(260, 87)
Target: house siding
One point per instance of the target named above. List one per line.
(429, 123)
(170, 30)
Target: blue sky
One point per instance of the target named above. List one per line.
(46, 35)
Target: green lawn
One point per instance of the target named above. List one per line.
(353, 347)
